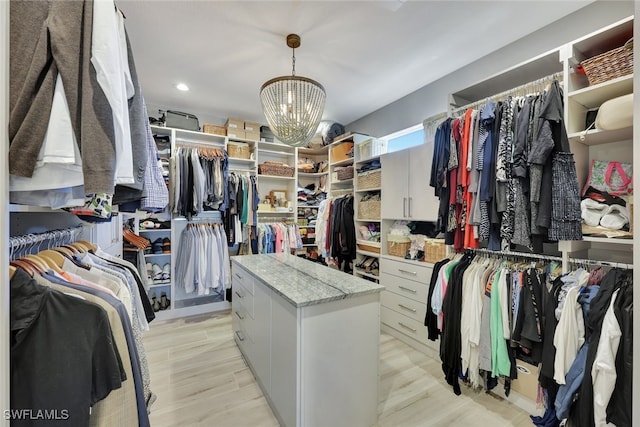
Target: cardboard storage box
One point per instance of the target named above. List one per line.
(235, 133)
(252, 135)
(341, 151)
(527, 382)
(252, 127)
(234, 124)
(214, 129)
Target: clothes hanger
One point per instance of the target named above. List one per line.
(24, 266)
(40, 262)
(12, 271)
(63, 250)
(36, 266)
(56, 258)
(90, 246)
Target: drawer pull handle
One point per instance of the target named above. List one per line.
(413, 291)
(239, 296)
(242, 318)
(407, 327)
(413, 310)
(238, 276)
(240, 337)
(415, 273)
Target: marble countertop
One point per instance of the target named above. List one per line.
(303, 282)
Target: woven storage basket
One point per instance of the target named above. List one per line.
(344, 173)
(615, 63)
(368, 248)
(238, 150)
(398, 245)
(434, 250)
(276, 169)
(369, 209)
(370, 179)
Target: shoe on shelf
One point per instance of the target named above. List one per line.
(164, 301)
(166, 273)
(149, 271)
(155, 304)
(166, 245)
(148, 225)
(157, 274)
(157, 246)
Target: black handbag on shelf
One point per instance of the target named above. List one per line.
(181, 120)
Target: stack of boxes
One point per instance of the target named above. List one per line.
(240, 129)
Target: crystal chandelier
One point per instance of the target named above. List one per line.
(293, 105)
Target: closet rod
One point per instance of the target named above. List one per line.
(580, 261)
(535, 86)
(24, 244)
(517, 254)
(199, 144)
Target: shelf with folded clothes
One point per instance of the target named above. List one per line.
(600, 136)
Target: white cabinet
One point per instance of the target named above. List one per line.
(108, 235)
(316, 364)
(405, 184)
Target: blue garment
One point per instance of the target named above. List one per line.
(143, 416)
(587, 294)
(573, 382)
(487, 117)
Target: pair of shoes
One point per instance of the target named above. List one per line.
(161, 246)
(155, 304)
(161, 275)
(154, 224)
(166, 245)
(164, 301)
(149, 271)
(610, 216)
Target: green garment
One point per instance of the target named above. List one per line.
(500, 362)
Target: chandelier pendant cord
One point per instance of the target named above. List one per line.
(293, 62)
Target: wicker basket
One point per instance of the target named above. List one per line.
(214, 129)
(369, 209)
(276, 169)
(434, 250)
(615, 63)
(368, 248)
(238, 150)
(344, 173)
(398, 245)
(370, 179)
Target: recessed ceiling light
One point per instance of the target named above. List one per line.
(183, 87)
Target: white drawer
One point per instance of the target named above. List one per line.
(403, 305)
(404, 324)
(408, 288)
(243, 297)
(406, 270)
(239, 274)
(240, 333)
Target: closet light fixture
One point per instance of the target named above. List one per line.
(183, 87)
(293, 105)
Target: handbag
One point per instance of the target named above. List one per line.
(613, 177)
(616, 113)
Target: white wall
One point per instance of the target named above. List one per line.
(433, 98)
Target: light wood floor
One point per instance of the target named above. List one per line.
(201, 379)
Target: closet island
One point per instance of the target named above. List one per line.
(311, 337)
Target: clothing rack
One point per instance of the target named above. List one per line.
(431, 124)
(208, 151)
(589, 262)
(533, 87)
(25, 244)
(514, 254)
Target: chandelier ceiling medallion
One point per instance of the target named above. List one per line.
(293, 105)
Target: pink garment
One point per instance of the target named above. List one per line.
(77, 280)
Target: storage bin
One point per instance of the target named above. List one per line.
(368, 248)
(369, 209)
(370, 179)
(398, 245)
(238, 150)
(341, 152)
(344, 173)
(434, 250)
(276, 169)
(214, 129)
(615, 63)
(372, 147)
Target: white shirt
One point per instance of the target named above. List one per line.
(569, 335)
(109, 58)
(603, 371)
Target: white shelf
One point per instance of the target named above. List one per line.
(36, 209)
(239, 160)
(368, 159)
(276, 152)
(308, 245)
(155, 230)
(314, 151)
(310, 207)
(368, 220)
(284, 178)
(306, 226)
(344, 162)
(367, 253)
(608, 240)
(343, 183)
(368, 189)
(248, 141)
(599, 136)
(410, 261)
(362, 273)
(275, 146)
(159, 285)
(594, 96)
(275, 213)
(311, 175)
(156, 255)
(367, 242)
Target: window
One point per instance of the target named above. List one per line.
(406, 138)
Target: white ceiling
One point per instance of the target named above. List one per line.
(367, 54)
